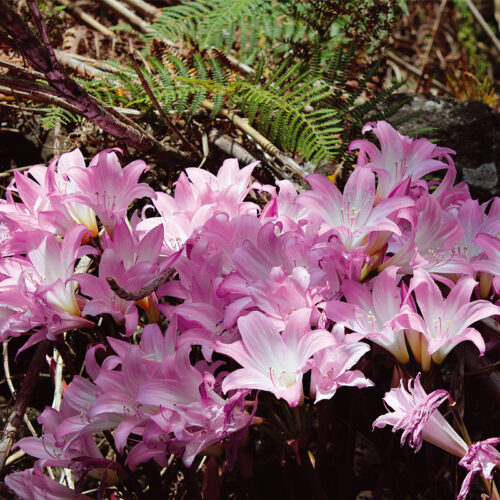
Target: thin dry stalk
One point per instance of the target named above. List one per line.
(480, 20)
(414, 71)
(160, 110)
(264, 143)
(145, 7)
(144, 291)
(78, 13)
(24, 71)
(42, 58)
(13, 423)
(230, 147)
(8, 378)
(67, 474)
(14, 457)
(435, 28)
(77, 64)
(129, 15)
(93, 63)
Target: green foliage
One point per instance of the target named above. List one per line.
(57, 116)
(304, 56)
(218, 23)
(288, 109)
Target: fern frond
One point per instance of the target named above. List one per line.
(216, 22)
(56, 116)
(280, 110)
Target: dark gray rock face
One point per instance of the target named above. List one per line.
(471, 128)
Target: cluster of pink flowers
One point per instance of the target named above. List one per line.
(264, 295)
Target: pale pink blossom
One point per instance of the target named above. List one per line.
(82, 214)
(32, 484)
(482, 458)
(371, 312)
(45, 194)
(198, 196)
(39, 291)
(445, 322)
(352, 214)
(107, 188)
(153, 391)
(415, 412)
(133, 262)
(399, 157)
(332, 366)
(430, 241)
(270, 360)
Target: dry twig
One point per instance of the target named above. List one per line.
(129, 15)
(11, 428)
(8, 378)
(414, 71)
(162, 113)
(264, 143)
(43, 59)
(144, 291)
(230, 147)
(78, 13)
(145, 7)
(480, 19)
(435, 28)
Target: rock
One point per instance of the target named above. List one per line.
(471, 128)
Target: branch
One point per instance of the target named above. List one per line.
(160, 110)
(145, 7)
(21, 70)
(43, 59)
(129, 15)
(11, 428)
(230, 147)
(36, 95)
(435, 28)
(480, 19)
(414, 71)
(13, 82)
(264, 143)
(78, 13)
(144, 291)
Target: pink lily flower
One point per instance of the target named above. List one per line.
(40, 291)
(489, 243)
(32, 484)
(352, 215)
(103, 300)
(107, 188)
(430, 243)
(81, 213)
(272, 361)
(198, 197)
(472, 217)
(332, 366)
(133, 263)
(45, 194)
(444, 323)
(54, 265)
(188, 411)
(283, 207)
(481, 457)
(371, 313)
(414, 411)
(153, 391)
(399, 157)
